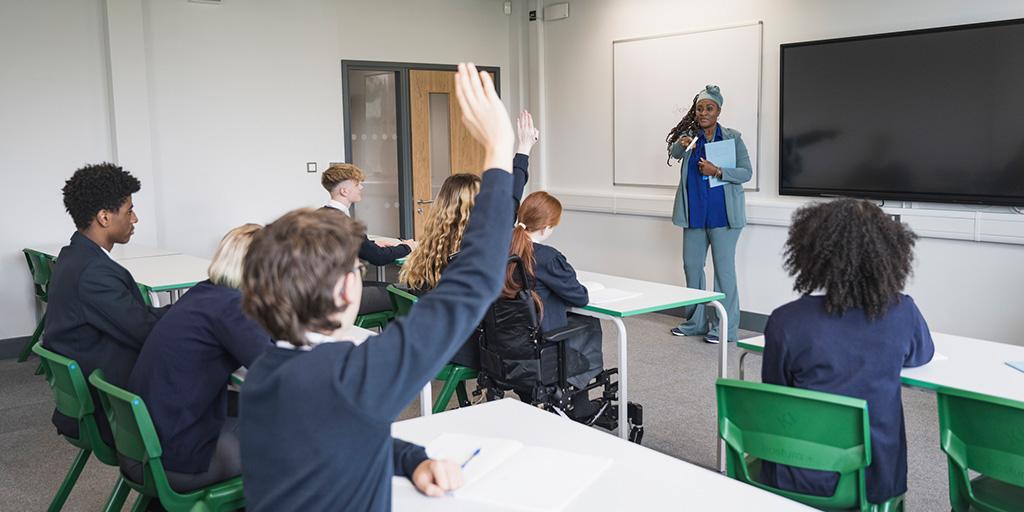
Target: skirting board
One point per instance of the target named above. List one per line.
(972, 225)
(11, 347)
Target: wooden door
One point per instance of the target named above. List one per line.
(441, 145)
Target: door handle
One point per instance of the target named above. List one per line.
(424, 201)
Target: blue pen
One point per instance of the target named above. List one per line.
(475, 453)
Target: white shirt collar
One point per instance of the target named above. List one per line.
(339, 205)
(315, 339)
(105, 251)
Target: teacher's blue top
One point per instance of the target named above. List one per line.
(707, 203)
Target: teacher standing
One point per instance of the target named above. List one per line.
(709, 216)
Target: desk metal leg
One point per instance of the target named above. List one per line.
(381, 274)
(743, 356)
(723, 368)
(426, 400)
(623, 368)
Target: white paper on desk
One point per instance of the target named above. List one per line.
(937, 356)
(510, 475)
(723, 155)
(605, 295)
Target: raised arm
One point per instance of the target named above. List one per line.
(527, 135)
(412, 349)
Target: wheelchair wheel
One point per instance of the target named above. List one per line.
(636, 434)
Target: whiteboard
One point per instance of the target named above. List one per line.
(654, 81)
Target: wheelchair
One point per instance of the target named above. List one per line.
(516, 356)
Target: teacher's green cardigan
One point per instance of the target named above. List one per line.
(735, 202)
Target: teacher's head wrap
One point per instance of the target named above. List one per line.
(711, 92)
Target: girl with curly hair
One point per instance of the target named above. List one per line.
(850, 333)
(442, 233)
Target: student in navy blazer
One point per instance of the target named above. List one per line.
(850, 333)
(557, 287)
(95, 313)
(446, 222)
(344, 182)
(185, 367)
(316, 411)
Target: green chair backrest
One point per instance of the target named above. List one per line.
(134, 434)
(983, 434)
(401, 300)
(39, 265)
(800, 428)
(71, 393)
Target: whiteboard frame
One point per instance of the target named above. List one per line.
(760, 93)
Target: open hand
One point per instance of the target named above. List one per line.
(485, 116)
(526, 133)
(412, 244)
(436, 477)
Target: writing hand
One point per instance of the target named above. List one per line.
(436, 477)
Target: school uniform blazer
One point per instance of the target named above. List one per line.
(95, 315)
(557, 285)
(316, 424)
(735, 199)
(184, 369)
(372, 252)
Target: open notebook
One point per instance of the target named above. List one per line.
(599, 294)
(509, 475)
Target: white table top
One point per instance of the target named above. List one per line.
(119, 252)
(168, 272)
(653, 296)
(639, 478)
(961, 363)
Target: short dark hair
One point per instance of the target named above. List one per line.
(97, 187)
(289, 273)
(853, 251)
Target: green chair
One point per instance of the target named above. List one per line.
(798, 427)
(377, 320)
(39, 265)
(73, 399)
(135, 437)
(986, 435)
(453, 375)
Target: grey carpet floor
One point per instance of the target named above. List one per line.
(672, 377)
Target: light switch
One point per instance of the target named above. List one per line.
(310, 166)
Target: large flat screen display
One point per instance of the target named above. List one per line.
(928, 115)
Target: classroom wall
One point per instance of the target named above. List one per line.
(963, 287)
(220, 106)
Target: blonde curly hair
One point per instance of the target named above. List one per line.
(442, 235)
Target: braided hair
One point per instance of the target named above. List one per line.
(688, 124)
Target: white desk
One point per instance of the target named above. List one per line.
(639, 478)
(970, 364)
(120, 252)
(653, 297)
(171, 273)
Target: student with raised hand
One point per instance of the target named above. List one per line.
(344, 182)
(186, 365)
(850, 333)
(443, 231)
(316, 410)
(557, 290)
(95, 313)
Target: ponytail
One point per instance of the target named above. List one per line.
(522, 246)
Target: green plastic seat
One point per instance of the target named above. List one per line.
(986, 435)
(801, 428)
(40, 266)
(453, 375)
(71, 394)
(135, 438)
(378, 320)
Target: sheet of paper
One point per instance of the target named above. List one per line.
(592, 286)
(459, 448)
(606, 295)
(537, 479)
(722, 154)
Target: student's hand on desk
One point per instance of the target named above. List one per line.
(413, 244)
(436, 477)
(386, 243)
(485, 116)
(526, 134)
